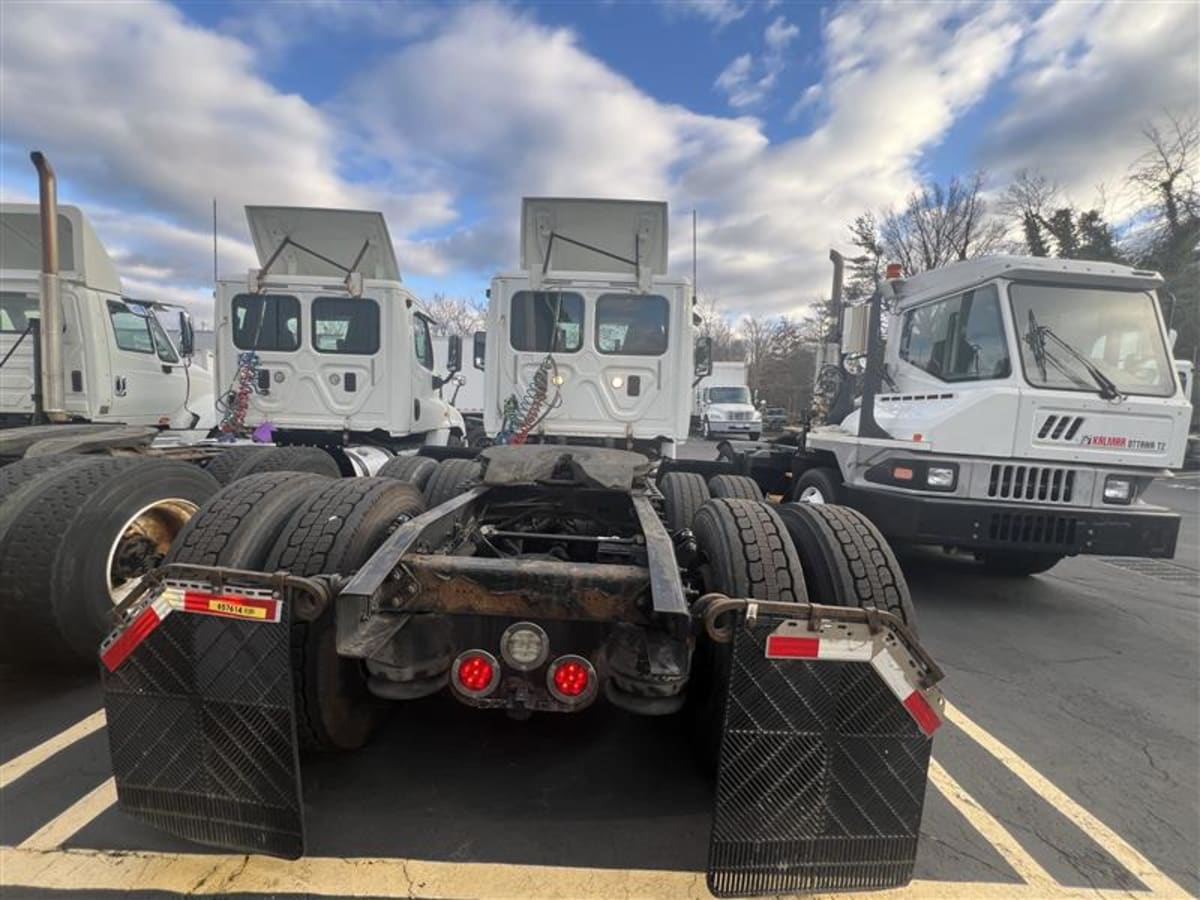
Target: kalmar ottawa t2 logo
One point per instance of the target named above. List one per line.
(1120, 442)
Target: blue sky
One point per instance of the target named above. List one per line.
(778, 121)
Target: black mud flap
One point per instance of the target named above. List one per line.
(823, 763)
(201, 725)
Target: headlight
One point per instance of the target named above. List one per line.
(941, 477)
(757, 417)
(1118, 489)
(715, 414)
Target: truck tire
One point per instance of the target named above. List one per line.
(740, 486)
(1018, 563)
(818, 486)
(238, 462)
(413, 469)
(846, 560)
(683, 494)
(73, 541)
(451, 478)
(746, 553)
(23, 471)
(238, 527)
(334, 532)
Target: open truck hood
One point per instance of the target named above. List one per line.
(336, 234)
(629, 230)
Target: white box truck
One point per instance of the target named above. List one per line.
(722, 404)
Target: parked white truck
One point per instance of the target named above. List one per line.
(723, 404)
(1020, 411)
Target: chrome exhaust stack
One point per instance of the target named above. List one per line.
(53, 387)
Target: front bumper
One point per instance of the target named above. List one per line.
(746, 427)
(976, 525)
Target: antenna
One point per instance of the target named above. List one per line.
(695, 288)
(214, 243)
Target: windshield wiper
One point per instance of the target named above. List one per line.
(1036, 338)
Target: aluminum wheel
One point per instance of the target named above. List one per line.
(812, 494)
(143, 541)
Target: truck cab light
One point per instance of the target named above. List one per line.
(617, 382)
(902, 473)
(1118, 490)
(941, 477)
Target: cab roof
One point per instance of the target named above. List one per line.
(82, 256)
(961, 276)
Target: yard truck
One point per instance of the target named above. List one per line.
(1017, 412)
(554, 571)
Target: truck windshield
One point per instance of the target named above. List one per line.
(1112, 331)
(729, 395)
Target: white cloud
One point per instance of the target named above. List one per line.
(719, 12)
(1091, 75)
(739, 81)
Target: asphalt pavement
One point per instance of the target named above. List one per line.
(1070, 766)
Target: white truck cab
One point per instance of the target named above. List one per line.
(1020, 409)
(116, 362)
(591, 341)
(724, 405)
(324, 343)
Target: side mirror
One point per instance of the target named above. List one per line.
(1173, 336)
(703, 358)
(480, 349)
(187, 335)
(454, 354)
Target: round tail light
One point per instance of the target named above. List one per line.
(524, 646)
(571, 679)
(475, 673)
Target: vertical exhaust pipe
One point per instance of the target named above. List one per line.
(53, 388)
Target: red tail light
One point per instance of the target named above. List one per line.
(475, 673)
(571, 679)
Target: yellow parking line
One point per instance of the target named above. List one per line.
(989, 826)
(1116, 846)
(15, 768)
(58, 830)
(203, 874)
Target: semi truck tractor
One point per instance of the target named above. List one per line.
(557, 570)
(1019, 410)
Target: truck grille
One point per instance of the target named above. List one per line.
(740, 416)
(1033, 528)
(1060, 428)
(1039, 484)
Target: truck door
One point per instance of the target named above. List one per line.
(427, 410)
(148, 380)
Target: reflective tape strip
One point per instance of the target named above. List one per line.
(781, 646)
(231, 606)
(925, 713)
(127, 640)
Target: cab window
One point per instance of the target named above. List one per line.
(266, 322)
(162, 343)
(423, 342)
(960, 338)
(632, 324)
(345, 325)
(546, 321)
(16, 310)
(132, 330)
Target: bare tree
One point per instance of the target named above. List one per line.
(941, 224)
(1166, 173)
(780, 361)
(717, 324)
(457, 315)
(1051, 226)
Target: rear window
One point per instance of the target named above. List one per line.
(16, 310)
(345, 325)
(632, 324)
(266, 322)
(546, 321)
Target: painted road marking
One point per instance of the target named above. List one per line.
(64, 826)
(204, 874)
(15, 768)
(41, 862)
(1116, 846)
(1017, 857)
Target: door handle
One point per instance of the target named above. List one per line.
(119, 386)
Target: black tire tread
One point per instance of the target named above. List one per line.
(739, 486)
(225, 464)
(857, 565)
(450, 479)
(23, 471)
(416, 470)
(749, 551)
(683, 495)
